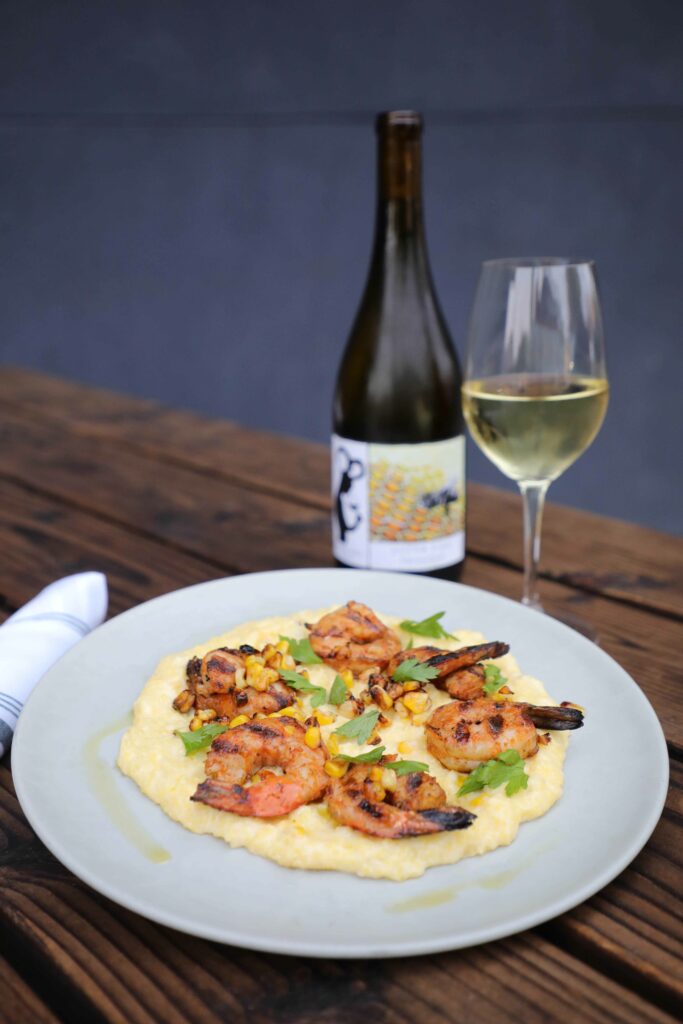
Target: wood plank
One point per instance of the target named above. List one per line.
(18, 1003)
(131, 970)
(42, 539)
(119, 486)
(221, 522)
(592, 552)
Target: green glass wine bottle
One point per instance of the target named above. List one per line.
(398, 446)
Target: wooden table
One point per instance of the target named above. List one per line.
(159, 499)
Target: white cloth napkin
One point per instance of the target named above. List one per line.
(36, 636)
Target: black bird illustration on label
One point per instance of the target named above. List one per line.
(352, 471)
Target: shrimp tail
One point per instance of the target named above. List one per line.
(561, 718)
(449, 818)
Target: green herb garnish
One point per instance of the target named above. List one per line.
(302, 651)
(507, 768)
(431, 626)
(359, 729)
(494, 679)
(338, 691)
(410, 644)
(371, 757)
(201, 738)
(406, 767)
(297, 682)
(417, 671)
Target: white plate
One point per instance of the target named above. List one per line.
(616, 780)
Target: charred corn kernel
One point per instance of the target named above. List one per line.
(282, 646)
(323, 719)
(336, 769)
(196, 723)
(332, 744)
(410, 686)
(376, 773)
(347, 678)
(269, 676)
(288, 662)
(417, 702)
(404, 747)
(239, 720)
(253, 659)
(207, 715)
(184, 701)
(382, 698)
(378, 792)
(312, 737)
(374, 739)
(388, 779)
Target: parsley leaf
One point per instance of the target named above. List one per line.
(494, 679)
(411, 644)
(359, 729)
(338, 691)
(370, 757)
(412, 669)
(507, 768)
(430, 626)
(201, 738)
(297, 682)
(302, 651)
(406, 767)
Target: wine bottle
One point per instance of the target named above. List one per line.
(398, 448)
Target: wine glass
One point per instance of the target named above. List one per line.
(535, 391)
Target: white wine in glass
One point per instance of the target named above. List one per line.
(535, 391)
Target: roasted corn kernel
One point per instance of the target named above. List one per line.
(376, 773)
(410, 686)
(336, 769)
(238, 720)
(184, 701)
(417, 702)
(404, 747)
(312, 737)
(323, 719)
(388, 779)
(282, 646)
(347, 678)
(332, 744)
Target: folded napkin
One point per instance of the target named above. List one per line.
(36, 636)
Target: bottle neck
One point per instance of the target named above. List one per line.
(399, 228)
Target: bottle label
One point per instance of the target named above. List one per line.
(398, 506)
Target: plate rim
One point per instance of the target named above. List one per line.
(295, 947)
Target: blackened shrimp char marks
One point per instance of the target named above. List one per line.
(464, 734)
(254, 749)
(459, 672)
(229, 681)
(352, 637)
(373, 800)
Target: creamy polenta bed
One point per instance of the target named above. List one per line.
(349, 740)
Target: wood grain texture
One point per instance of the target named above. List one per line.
(600, 555)
(18, 1003)
(94, 480)
(129, 969)
(235, 530)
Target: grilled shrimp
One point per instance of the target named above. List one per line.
(353, 637)
(464, 734)
(238, 754)
(458, 671)
(417, 806)
(217, 683)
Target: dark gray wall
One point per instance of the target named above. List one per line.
(186, 195)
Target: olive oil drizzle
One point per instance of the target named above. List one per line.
(102, 782)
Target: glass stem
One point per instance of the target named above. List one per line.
(533, 499)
